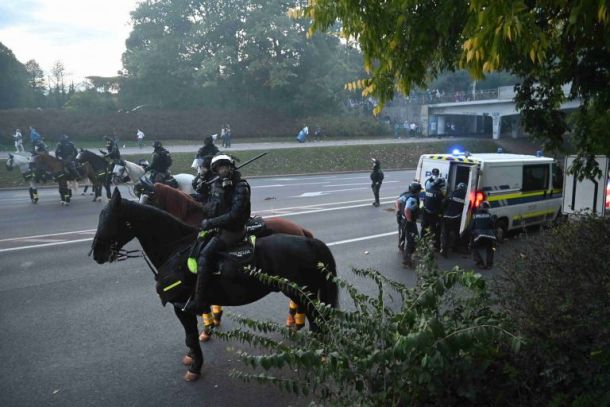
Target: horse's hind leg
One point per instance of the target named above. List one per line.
(208, 325)
(292, 310)
(194, 355)
(299, 318)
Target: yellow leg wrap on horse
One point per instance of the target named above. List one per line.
(299, 320)
(292, 308)
(208, 319)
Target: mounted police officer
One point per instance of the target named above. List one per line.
(201, 184)
(66, 152)
(229, 210)
(483, 235)
(38, 145)
(160, 163)
(376, 179)
(208, 149)
(112, 155)
(409, 222)
(452, 217)
(433, 201)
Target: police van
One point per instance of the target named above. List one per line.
(522, 190)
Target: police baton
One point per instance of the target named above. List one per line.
(237, 168)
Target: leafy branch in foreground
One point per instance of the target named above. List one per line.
(441, 344)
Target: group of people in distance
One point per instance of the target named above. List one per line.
(441, 217)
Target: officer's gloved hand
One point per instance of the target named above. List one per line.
(205, 225)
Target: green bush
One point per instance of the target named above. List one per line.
(556, 291)
(442, 343)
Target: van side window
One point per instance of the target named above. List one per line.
(535, 177)
(557, 176)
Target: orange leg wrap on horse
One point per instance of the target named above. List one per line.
(299, 319)
(292, 310)
(217, 311)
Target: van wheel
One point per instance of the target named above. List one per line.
(501, 229)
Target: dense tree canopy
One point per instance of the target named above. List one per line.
(547, 43)
(13, 80)
(232, 53)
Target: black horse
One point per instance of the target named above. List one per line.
(161, 235)
(101, 172)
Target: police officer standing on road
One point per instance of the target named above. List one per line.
(410, 213)
(483, 235)
(452, 217)
(376, 179)
(433, 202)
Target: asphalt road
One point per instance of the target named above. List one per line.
(77, 333)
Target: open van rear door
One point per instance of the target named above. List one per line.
(473, 178)
(586, 196)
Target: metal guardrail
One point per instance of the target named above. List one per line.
(435, 97)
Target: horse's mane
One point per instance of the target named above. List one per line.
(91, 155)
(179, 204)
(157, 217)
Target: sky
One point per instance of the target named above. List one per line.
(88, 36)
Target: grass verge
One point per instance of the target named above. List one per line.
(310, 160)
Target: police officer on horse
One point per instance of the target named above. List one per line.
(66, 152)
(160, 163)
(229, 210)
(112, 155)
(201, 184)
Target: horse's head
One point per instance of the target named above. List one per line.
(81, 156)
(10, 163)
(113, 231)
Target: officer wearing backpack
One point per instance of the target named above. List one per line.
(452, 217)
(483, 236)
(433, 201)
(410, 214)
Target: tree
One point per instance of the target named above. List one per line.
(548, 43)
(246, 53)
(57, 85)
(13, 80)
(36, 81)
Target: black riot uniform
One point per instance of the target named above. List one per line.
(200, 183)
(409, 222)
(112, 155)
(160, 163)
(483, 235)
(229, 208)
(433, 201)
(376, 180)
(208, 149)
(452, 217)
(66, 152)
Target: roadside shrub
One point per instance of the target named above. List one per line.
(439, 343)
(556, 292)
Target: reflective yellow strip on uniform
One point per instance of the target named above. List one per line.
(169, 287)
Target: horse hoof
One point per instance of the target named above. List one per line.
(204, 337)
(187, 360)
(216, 322)
(191, 377)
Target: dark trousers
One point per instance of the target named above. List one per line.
(376, 186)
(430, 223)
(450, 232)
(410, 233)
(488, 246)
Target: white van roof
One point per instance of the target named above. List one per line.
(488, 157)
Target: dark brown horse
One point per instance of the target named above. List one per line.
(46, 162)
(190, 211)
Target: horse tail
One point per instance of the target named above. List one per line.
(329, 291)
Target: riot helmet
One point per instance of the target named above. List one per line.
(222, 159)
(461, 186)
(157, 145)
(485, 205)
(415, 187)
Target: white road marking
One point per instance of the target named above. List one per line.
(359, 183)
(35, 246)
(321, 193)
(359, 239)
(48, 235)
